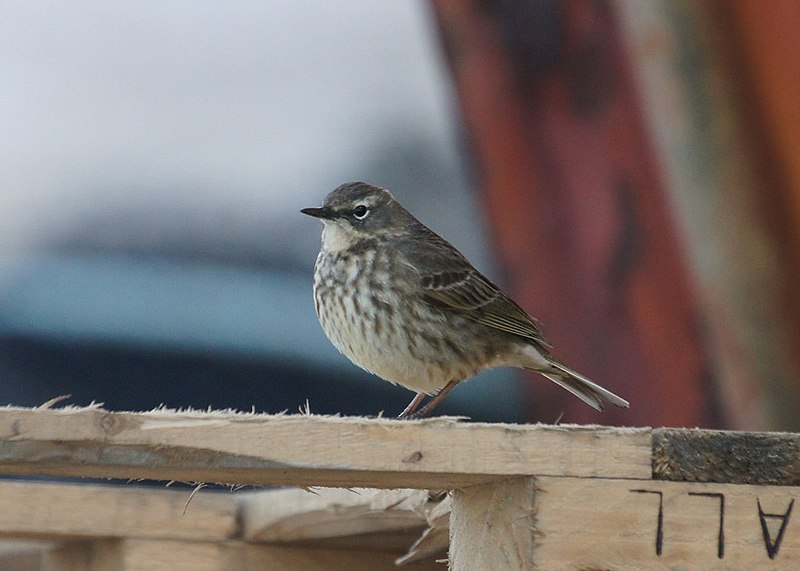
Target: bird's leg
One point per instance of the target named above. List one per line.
(412, 406)
(428, 408)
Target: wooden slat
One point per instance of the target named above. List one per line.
(45, 556)
(635, 521)
(74, 511)
(22, 555)
(407, 521)
(618, 524)
(154, 555)
(67, 556)
(494, 526)
(726, 457)
(58, 523)
(308, 450)
(386, 520)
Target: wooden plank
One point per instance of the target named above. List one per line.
(72, 511)
(155, 555)
(414, 522)
(617, 524)
(592, 523)
(67, 556)
(22, 555)
(74, 517)
(726, 457)
(386, 520)
(492, 527)
(44, 556)
(305, 450)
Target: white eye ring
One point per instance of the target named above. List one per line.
(360, 212)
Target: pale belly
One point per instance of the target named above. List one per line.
(392, 336)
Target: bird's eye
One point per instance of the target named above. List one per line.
(360, 212)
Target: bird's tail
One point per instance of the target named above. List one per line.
(588, 391)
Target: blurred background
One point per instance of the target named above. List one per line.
(628, 170)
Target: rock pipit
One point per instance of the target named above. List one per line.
(401, 302)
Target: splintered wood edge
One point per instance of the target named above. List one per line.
(296, 515)
(765, 458)
(308, 450)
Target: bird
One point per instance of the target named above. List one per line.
(403, 303)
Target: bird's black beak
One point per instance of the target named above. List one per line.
(324, 213)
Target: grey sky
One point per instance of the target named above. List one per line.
(258, 106)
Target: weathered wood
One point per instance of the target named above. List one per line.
(516, 521)
(74, 511)
(434, 540)
(76, 526)
(67, 556)
(492, 527)
(726, 457)
(625, 525)
(155, 555)
(23, 555)
(354, 518)
(308, 450)
(45, 556)
(592, 523)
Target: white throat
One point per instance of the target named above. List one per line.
(336, 236)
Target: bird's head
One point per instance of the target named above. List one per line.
(356, 211)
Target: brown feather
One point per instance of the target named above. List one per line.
(449, 281)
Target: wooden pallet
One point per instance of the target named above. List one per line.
(512, 496)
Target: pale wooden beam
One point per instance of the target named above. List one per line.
(308, 450)
(726, 499)
(21, 555)
(157, 555)
(67, 556)
(356, 518)
(585, 523)
(596, 523)
(68, 525)
(492, 527)
(78, 511)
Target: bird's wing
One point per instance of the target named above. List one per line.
(449, 281)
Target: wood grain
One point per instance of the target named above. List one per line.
(151, 555)
(308, 450)
(614, 524)
(493, 527)
(726, 457)
(353, 518)
(604, 503)
(78, 511)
